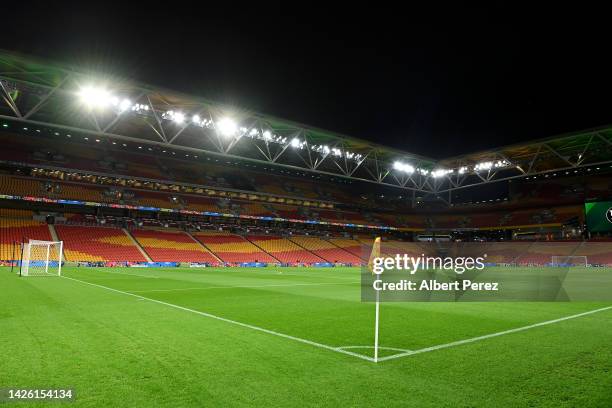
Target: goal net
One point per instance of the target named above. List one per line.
(41, 258)
(569, 261)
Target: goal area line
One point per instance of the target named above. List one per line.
(346, 349)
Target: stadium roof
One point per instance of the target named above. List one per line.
(49, 95)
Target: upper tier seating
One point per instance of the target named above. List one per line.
(54, 189)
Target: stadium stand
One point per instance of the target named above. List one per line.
(16, 230)
(541, 253)
(350, 245)
(233, 249)
(284, 250)
(19, 186)
(16, 213)
(97, 244)
(255, 209)
(326, 250)
(172, 246)
(596, 252)
(201, 204)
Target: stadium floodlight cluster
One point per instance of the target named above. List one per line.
(100, 98)
(403, 167)
(440, 173)
(437, 173)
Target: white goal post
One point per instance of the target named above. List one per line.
(41, 258)
(574, 260)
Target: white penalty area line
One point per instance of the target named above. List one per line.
(234, 322)
(246, 286)
(488, 336)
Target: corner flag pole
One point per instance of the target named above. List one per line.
(376, 325)
(375, 254)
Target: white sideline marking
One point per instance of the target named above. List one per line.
(245, 286)
(488, 336)
(223, 319)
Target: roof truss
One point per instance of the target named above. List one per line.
(37, 94)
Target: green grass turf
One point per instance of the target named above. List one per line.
(120, 350)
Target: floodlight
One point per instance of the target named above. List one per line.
(178, 117)
(227, 127)
(95, 97)
(295, 142)
(483, 166)
(440, 173)
(502, 163)
(403, 167)
(125, 105)
(267, 135)
(196, 119)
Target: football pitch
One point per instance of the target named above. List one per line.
(291, 337)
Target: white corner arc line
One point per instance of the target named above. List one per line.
(371, 347)
(488, 336)
(234, 322)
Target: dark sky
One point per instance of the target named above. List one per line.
(438, 88)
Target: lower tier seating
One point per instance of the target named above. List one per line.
(95, 244)
(350, 245)
(172, 246)
(233, 249)
(284, 250)
(16, 230)
(326, 250)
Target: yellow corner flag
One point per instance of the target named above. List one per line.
(375, 254)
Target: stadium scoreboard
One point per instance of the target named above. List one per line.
(599, 216)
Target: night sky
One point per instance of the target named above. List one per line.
(438, 89)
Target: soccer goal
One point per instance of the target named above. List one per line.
(579, 260)
(41, 258)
